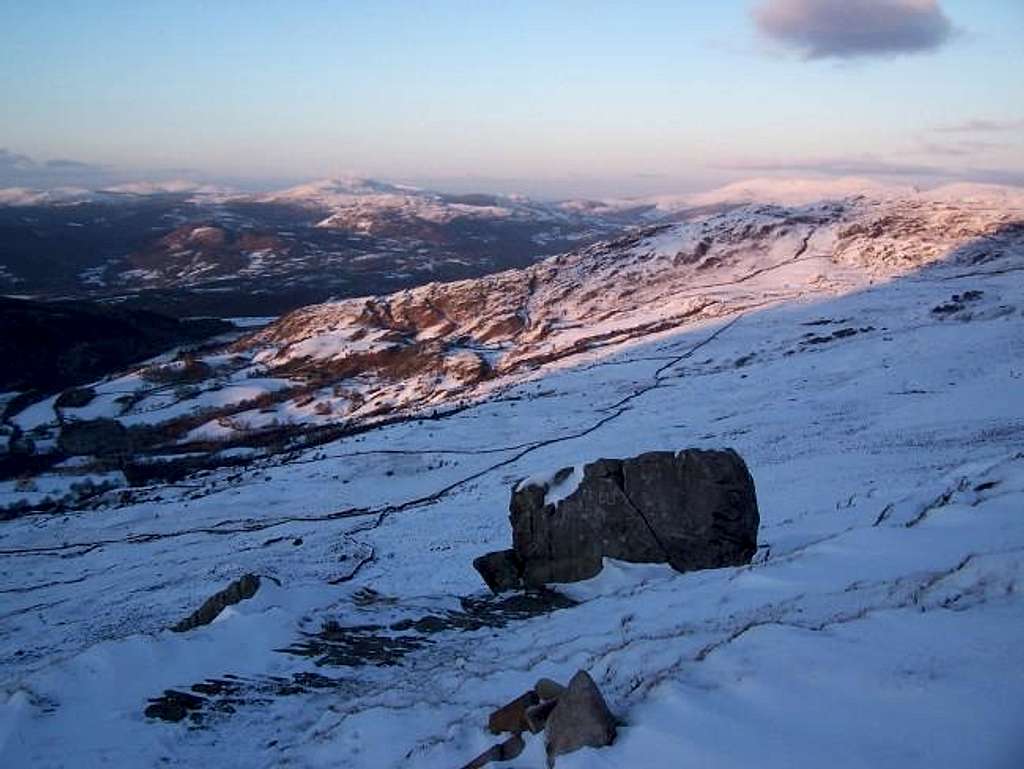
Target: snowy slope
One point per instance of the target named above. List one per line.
(881, 624)
(437, 346)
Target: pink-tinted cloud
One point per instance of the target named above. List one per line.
(850, 28)
(983, 126)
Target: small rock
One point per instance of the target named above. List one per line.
(501, 570)
(580, 719)
(511, 748)
(173, 705)
(548, 690)
(537, 715)
(242, 588)
(504, 751)
(512, 717)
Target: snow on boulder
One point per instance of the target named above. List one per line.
(695, 509)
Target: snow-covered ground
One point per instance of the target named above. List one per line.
(880, 625)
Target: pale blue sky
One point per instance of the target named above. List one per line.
(538, 94)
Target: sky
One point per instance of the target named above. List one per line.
(538, 96)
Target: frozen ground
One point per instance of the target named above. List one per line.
(881, 624)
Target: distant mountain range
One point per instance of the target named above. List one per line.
(191, 249)
(347, 364)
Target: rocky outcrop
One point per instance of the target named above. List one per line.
(695, 509)
(242, 588)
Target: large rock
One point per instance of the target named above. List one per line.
(581, 719)
(694, 509)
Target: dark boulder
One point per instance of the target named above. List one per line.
(581, 719)
(501, 570)
(695, 509)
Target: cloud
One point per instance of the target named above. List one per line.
(72, 165)
(846, 29)
(983, 126)
(870, 166)
(17, 170)
(11, 162)
(960, 148)
(864, 165)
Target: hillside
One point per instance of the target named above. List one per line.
(50, 346)
(863, 355)
(347, 364)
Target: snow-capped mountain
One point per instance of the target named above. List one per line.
(195, 249)
(863, 355)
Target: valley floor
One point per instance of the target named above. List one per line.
(880, 625)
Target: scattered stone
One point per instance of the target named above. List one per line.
(548, 690)
(512, 717)
(843, 333)
(504, 751)
(694, 509)
(581, 719)
(501, 570)
(537, 715)
(242, 588)
(957, 304)
(173, 705)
